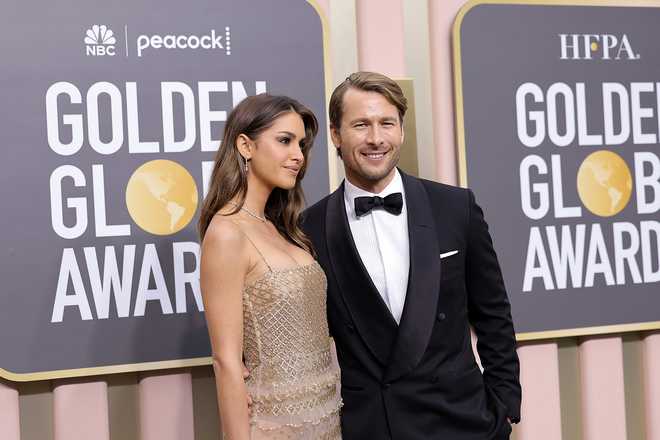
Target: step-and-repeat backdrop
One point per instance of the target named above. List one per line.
(558, 131)
(111, 116)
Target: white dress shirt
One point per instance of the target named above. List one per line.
(381, 240)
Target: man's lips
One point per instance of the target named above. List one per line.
(374, 155)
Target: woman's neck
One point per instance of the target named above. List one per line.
(256, 196)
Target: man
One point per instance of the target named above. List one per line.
(410, 264)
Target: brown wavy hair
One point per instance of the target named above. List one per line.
(251, 117)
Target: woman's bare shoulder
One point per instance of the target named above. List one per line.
(225, 232)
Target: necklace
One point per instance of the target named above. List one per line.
(250, 213)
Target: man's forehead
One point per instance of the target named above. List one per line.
(361, 103)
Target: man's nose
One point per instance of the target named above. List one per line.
(375, 135)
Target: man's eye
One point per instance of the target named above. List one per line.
(360, 125)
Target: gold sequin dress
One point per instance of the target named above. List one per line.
(294, 383)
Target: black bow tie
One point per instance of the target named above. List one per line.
(392, 204)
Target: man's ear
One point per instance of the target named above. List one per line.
(244, 146)
(335, 136)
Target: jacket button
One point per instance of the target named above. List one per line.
(441, 316)
(386, 385)
(351, 327)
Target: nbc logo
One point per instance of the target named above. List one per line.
(100, 41)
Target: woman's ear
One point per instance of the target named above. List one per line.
(245, 146)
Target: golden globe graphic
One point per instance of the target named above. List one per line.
(161, 197)
(604, 183)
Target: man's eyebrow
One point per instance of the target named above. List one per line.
(363, 119)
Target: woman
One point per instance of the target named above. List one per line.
(264, 294)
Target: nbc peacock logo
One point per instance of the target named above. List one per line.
(100, 41)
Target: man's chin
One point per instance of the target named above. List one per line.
(374, 176)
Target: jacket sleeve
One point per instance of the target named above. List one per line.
(489, 312)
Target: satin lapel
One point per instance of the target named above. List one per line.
(419, 310)
(371, 317)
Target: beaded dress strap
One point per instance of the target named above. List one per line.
(270, 269)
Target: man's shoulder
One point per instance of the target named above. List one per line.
(317, 210)
(312, 219)
(437, 190)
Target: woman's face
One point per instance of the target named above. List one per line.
(278, 158)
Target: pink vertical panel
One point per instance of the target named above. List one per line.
(80, 411)
(380, 36)
(603, 395)
(166, 407)
(651, 367)
(9, 418)
(441, 20)
(539, 377)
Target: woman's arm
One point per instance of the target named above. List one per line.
(224, 264)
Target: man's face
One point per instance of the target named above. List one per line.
(369, 139)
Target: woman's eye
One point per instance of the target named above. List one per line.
(285, 140)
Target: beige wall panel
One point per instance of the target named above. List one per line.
(343, 52)
(569, 388)
(36, 410)
(343, 39)
(418, 67)
(123, 406)
(324, 10)
(205, 404)
(408, 161)
(324, 5)
(633, 382)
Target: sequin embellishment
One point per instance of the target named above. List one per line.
(293, 381)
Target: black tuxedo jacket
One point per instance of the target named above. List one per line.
(419, 379)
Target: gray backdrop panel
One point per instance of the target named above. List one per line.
(42, 43)
(502, 47)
